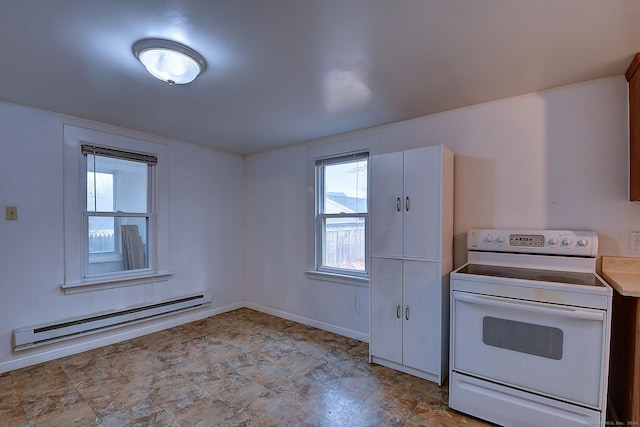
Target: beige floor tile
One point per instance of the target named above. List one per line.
(9, 398)
(104, 386)
(84, 366)
(235, 389)
(55, 399)
(307, 418)
(140, 413)
(77, 414)
(13, 416)
(336, 406)
(205, 412)
(136, 362)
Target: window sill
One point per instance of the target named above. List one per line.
(103, 283)
(343, 279)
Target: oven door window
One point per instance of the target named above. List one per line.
(538, 340)
(550, 349)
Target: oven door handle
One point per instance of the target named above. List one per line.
(533, 307)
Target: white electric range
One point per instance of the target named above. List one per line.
(530, 328)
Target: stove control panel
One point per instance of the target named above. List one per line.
(548, 242)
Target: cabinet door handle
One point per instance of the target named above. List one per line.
(398, 204)
(406, 313)
(406, 203)
(398, 311)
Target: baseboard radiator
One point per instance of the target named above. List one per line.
(53, 332)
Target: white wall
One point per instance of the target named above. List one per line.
(556, 159)
(206, 234)
(277, 249)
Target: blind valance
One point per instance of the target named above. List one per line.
(119, 154)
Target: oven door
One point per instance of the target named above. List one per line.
(549, 349)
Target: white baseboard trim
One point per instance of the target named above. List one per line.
(91, 342)
(110, 337)
(310, 322)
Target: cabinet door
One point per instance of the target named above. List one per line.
(422, 192)
(385, 337)
(633, 77)
(386, 205)
(422, 328)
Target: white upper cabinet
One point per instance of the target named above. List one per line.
(423, 203)
(406, 204)
(387, 205)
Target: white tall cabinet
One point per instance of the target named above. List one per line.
(411, 257)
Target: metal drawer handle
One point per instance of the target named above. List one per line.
(398, 204)
(406, 203)
(406, 313)
(398, 311)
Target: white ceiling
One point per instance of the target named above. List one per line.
(285, 71)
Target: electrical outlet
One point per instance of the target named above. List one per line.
(11, 213)
(634, 240)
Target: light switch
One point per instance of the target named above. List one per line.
(12, 213)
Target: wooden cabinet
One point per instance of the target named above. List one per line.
(411, 248)
(633, 77)
(624, 372)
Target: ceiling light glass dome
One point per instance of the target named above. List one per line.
(169, 61)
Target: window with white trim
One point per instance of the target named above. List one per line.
(342, 214)
(116, 205)
(117, 214)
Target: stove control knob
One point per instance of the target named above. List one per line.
(583, 242)
(553, 241)
(489, 239)
(567, 242)
(501, 239)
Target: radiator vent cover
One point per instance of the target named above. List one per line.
(25, 338)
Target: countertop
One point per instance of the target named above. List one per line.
(623, 274)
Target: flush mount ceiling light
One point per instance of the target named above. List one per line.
(169, 61)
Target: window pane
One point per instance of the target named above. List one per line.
(120, 185)
(101, 235)
(122, 247)
(344, 243)
(345, 187)
(100, 192)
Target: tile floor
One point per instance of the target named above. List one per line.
(241, 368)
